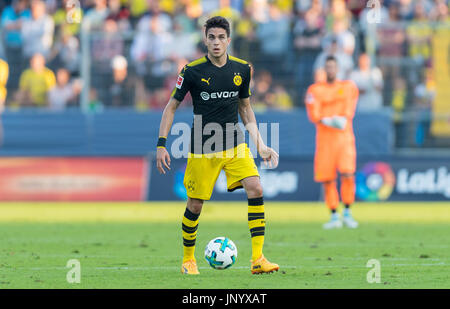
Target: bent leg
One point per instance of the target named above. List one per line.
(331, 195)
(256, 220)
(348, 189)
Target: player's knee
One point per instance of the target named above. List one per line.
(347, 176)
(255, 190)
(195, 205)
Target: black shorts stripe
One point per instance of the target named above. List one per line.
(255, 216)
(188, 243)
(189, 229)
(235, 188)
(190, 215)
(258, 201)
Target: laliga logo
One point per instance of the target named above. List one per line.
(432, 181)
(375, 182)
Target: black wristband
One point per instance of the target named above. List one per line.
(161, 142)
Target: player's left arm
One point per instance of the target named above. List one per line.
(247, 114)
(352, 100)
(340, 121)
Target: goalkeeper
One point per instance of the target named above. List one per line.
(331, 107)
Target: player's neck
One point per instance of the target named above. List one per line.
(331, 81)
(218, 61)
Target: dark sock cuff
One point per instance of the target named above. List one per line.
(190, 215)
(258, 201)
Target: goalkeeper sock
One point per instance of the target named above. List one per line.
(189, 226)
(331, 195)
(348, 190)
(256, 224)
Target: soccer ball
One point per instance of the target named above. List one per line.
(221, 253)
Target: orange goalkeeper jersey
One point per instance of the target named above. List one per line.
(327, 100)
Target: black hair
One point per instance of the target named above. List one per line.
(217, 22)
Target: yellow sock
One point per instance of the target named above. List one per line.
(256, 224)
(189, 226)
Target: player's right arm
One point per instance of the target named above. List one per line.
(313, 106)
(162, 155)
(181, 89)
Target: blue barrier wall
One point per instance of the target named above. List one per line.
(129, 133)
(381, 178)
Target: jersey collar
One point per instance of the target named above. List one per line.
(226, 63)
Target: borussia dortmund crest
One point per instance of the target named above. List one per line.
(190, 186)
(237, 80)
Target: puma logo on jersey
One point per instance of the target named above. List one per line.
(206, 80)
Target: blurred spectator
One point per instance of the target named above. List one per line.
(344, 61)
(262, 88)
(274, 37)
(137, 9)
(439, 12)
(338, 12)
(245, 42)
(356, 6)
(424, 94)
(64, 93)
(2, 50)
(152, 44)
(120, 14)
(260, 10)
(390, 35)
(391, 51)
(95, 17)
(281, 98)
(419, 33)
(12, 18)
(107, 45)
(370, 84)
(406, 9)
(398, 104)
(66, 52)
(226, 10)
(38, 32)
(158, 99)
(307, 45)
(345, 38)
(121, 91)
(184, 19)
(35, 83)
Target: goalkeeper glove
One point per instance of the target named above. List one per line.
(337, 122)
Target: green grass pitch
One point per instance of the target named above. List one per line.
(138, 245)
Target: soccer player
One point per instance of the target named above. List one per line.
(331, 107)
(219, 86)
